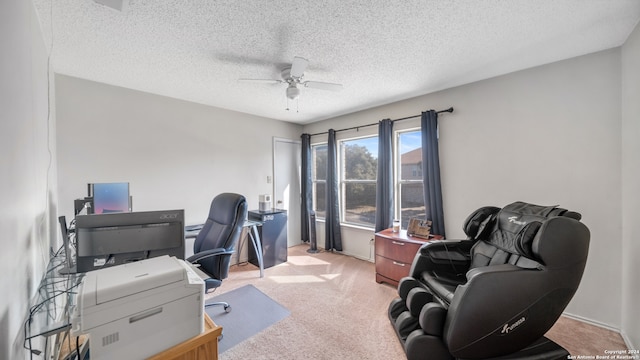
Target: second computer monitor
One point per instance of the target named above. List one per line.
(110, 197)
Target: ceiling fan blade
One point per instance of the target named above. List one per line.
(298, 66)
(323, 85)
(264, 81)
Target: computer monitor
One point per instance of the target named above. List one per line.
(110, 197)
(104, 240)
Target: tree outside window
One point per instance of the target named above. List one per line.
(359, 164)
(319, 176)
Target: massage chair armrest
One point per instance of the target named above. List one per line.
(502, 299)
(442, 256)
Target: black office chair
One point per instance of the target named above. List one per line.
(216, 242)
(495, 294)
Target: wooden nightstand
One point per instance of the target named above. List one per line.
(395, 253)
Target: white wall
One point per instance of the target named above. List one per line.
(631, 189)
(174, 153)
(27, 170)
(547, 135)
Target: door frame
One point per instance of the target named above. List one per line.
(275, 176)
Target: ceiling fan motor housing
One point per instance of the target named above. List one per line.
(286, 74)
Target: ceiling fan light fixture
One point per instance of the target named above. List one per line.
(293, 92)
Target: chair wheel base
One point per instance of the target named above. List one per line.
(226, 306)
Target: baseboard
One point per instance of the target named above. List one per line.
(359, 257)
(356, 256)
(627, 341)
(591, 322)
(347, 254)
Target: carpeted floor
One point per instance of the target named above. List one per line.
(338, 311)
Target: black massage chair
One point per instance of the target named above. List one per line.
(495, 294)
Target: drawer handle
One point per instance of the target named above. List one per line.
(397, 243)
(397, 263)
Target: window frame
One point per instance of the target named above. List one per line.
(342, 182)
(397, 176)
(315, 181)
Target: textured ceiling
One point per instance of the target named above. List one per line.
(381, 51)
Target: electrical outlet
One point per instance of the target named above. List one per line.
(268, 179)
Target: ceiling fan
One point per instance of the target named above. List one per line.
(293, 76)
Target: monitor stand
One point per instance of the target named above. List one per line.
(69, 266)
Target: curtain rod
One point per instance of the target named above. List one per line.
(449, 110)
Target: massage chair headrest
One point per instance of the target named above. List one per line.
(480, 221)
(514, 227)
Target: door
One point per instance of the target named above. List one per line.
(286, 185)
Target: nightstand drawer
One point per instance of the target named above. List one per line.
(392, 269)
(401, 251)
(395, 253)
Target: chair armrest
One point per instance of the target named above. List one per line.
(209, 253)
(457, 245)
(524, 301)
(440, 255)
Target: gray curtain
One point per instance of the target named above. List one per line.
(306, 187)
(431, 172)
(333, 238)
(384, 187)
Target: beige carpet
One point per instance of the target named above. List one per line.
(580, 338)
(338, 311)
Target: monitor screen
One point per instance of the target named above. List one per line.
(110, 197)
(104, 240)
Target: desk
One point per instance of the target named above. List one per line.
(49, 311)
(254, 235)
(192, 231)
(273, 233)
(203, 346)
(49, 314)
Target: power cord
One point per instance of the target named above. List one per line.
(446, 249)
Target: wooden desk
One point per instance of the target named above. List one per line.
(201, 347)
(395, 253)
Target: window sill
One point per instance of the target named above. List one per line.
(348, 225)
(359, 227)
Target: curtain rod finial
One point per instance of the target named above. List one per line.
(449, 110)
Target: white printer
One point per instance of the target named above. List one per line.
(136, 310)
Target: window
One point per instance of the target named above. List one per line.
(409, 176)
(357, 172)
(319, 176)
